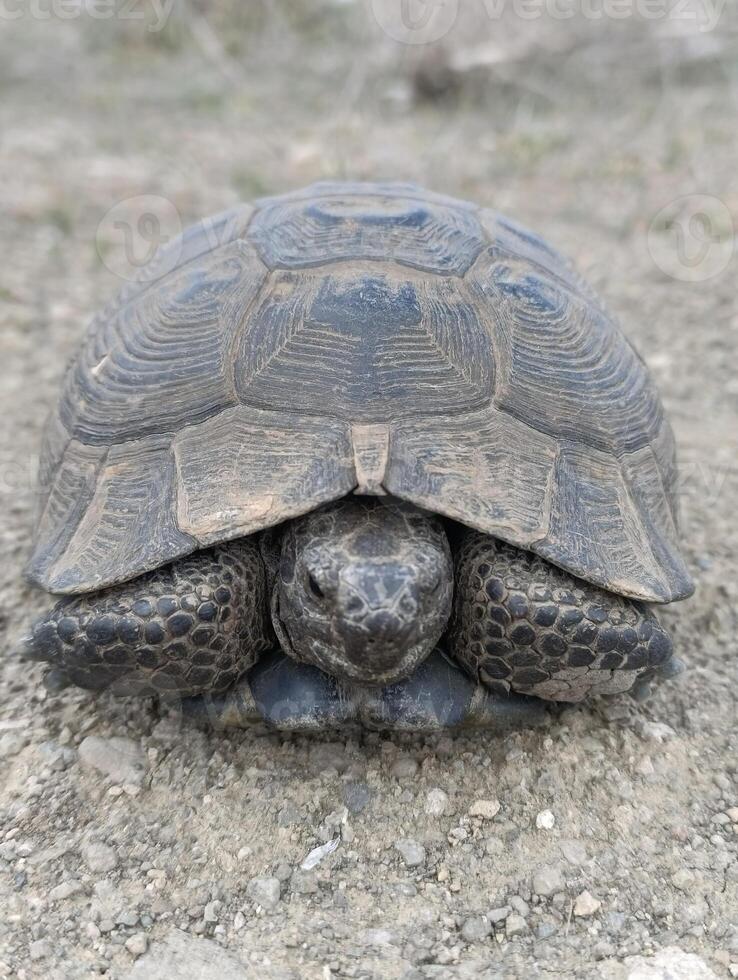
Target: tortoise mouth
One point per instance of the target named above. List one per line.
(376, 666)
(366, 659)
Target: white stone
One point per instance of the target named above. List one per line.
(137, 944)
(655, 731)
(545, 820)
(586, 904)
(436, 802)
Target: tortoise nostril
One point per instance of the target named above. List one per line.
(315, 587)
(408, 605)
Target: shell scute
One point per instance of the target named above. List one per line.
(344, 336)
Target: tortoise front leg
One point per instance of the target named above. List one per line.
(524, 625)
(195, 625)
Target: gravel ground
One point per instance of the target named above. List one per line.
(605, 844)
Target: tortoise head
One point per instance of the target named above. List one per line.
(364, 589)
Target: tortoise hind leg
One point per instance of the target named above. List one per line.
(195, 625)
(524, 625)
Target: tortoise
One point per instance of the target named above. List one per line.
(358, 453)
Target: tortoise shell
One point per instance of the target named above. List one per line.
(370, 338)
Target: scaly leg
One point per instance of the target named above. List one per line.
(524, 625)
(195, 625)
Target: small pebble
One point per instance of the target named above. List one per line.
(127, 918)
(683, 879)
(57, 757)
(475, 928)
(486, 809)
(655, 731)
(574, 851)
(137, 944)
(378, 937)
(11, 744)
(519, 905)
(404, 767)
(515, 925)
(303, 882)
(40, 949)
(211, 912)
(586, 904)
(357, 796)
(645, 766)
(65, 890)
(329, 755)
(99, 857)
(548, 880)
(436, 802)
(669, 963)
(545, 820)
(289, 815)
(412, 853)
(121, 759)
(264, 891)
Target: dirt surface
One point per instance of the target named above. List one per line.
(605, 845)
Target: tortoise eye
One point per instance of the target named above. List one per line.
(315, 587)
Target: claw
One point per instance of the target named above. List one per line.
(673, 667)
(24, 647)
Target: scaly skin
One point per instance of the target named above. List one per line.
(195, 625)
(524, 625)
(361, 590)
